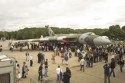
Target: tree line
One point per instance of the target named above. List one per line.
(114, 32)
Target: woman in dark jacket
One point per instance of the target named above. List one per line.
(66, 76)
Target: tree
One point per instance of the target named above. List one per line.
(123, 28)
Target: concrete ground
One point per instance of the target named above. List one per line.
(91, 75)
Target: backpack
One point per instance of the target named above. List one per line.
(107, 69)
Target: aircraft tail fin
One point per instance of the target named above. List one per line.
(50, 31)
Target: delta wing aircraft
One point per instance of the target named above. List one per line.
(88, 38)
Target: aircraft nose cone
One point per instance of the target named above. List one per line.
(102, 40)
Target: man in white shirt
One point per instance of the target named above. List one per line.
(82, 63)
(59, 74)
(31, 60)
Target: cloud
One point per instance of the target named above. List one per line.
(17, 14)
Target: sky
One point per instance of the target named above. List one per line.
(17, 14)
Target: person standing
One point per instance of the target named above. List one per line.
(42, 57)
(80, 56)
(18, 75)
(39, 58)
(59, 74)
(82, 63)
(46, 68)
(31, 60)
(106, 72)
(106, 56)
(121, 53)
(95, 56)
(27, 54)
(24, 70)
(66, 58)
(91, 60)
(0, 48)
(66, 76)
(87, 61)
(27, 58)
(121, 64)
(112, 65)
(40, 77)
(16, 63)
(62, 57)
(70, 53)
(11, 48)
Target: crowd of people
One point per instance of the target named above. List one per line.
(98, 54)
(87, 56)
(44, 46)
